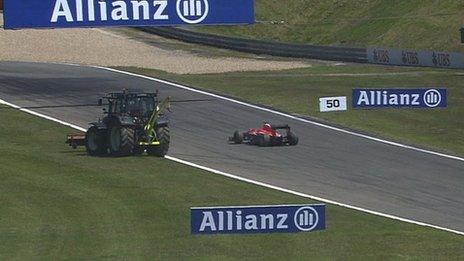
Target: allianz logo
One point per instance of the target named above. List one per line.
(189, 11)
(431, 98)
(304, 219)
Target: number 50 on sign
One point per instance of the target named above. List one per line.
(332, 104)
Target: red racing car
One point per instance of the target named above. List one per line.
(267, 135)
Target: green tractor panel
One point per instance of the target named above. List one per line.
(133, 123)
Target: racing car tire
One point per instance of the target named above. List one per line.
(264, 140)
(238, 137)
(292, 139)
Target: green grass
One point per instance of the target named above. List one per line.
(57, 203)
(297, 91)
(421, 24)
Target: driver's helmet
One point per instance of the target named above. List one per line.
(267, 126)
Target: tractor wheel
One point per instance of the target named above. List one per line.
(238, 137)
(121, 141)
(292, 139)
(95, 142)
(264, 140)
(164, 137)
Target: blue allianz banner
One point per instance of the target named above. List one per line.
(94, 13)
(397, 98)
(258, 219)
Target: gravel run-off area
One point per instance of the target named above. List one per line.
(107, 48)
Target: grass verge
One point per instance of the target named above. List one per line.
(59, 203)
(419, 24)
(297, 91)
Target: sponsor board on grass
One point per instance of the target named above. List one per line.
(327, 104)
(258, 219)
(397, 98)
(94, 13)
(437, 59)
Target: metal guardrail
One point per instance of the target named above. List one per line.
(262, 47)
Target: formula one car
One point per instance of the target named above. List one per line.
(267, 135)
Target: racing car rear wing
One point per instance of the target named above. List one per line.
(280, 127)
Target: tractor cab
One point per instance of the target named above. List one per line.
(132, 104)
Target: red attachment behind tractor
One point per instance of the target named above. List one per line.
(75, 140)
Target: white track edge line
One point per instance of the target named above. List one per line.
(392, 143)
(328, 201)
(42, 115)
(258, 183)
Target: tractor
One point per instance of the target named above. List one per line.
(133, 122)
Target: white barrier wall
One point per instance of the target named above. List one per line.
(415, 58)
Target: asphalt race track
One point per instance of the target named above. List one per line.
(326, 163)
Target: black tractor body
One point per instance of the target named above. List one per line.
(133, 122)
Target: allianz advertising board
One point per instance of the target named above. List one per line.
(258, 219)
(398, 98)
(95, 13)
